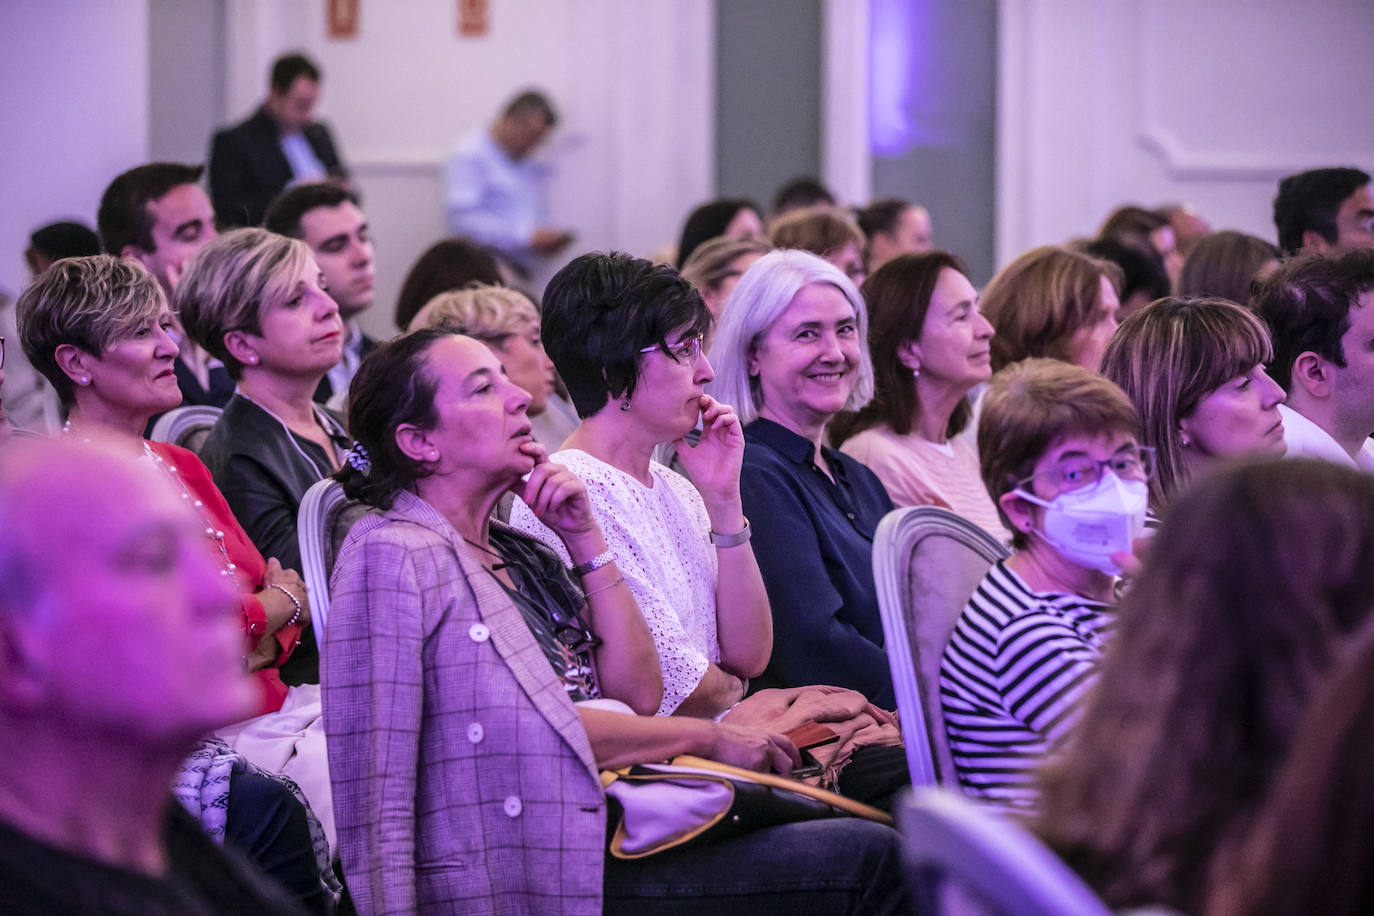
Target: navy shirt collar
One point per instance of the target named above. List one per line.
(795, 447)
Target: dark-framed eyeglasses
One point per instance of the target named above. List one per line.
(1135, 463)
(2, 352)
(687, 350)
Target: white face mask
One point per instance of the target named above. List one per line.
(1088, 525)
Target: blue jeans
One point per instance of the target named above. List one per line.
(845, 865)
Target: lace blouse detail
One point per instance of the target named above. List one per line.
(660, 537)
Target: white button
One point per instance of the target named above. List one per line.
(479, 632)
(513, 807)
(475, 733)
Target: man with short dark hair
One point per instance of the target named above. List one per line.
(1320, 311)
(1324, 209)
(326, 217)
(280, 145)
(122, 647)
(159, 215)
(496, 194)
(801, 193)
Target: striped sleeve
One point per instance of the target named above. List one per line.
(1012, 681)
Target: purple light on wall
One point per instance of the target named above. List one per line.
(903, 91)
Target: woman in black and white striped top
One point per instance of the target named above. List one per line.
(1059, 454)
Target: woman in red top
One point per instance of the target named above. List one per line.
(101, 331)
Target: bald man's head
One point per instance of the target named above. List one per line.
(115, 618)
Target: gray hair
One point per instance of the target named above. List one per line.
(762, 295)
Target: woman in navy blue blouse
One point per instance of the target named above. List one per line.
(790, 354)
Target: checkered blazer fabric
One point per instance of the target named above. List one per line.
(463, 780)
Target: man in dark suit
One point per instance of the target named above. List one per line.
(280, 145)
(326, 217)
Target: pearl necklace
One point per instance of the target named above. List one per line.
(214, 534)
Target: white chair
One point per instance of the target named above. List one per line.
(186, 426)
(926, 563)
(956, 850)
(322, 523)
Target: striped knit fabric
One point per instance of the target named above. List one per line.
(1011, 681)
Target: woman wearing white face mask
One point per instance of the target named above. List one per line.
(1059, 453)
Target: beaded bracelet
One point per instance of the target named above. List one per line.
(287, 592)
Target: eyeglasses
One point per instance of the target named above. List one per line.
(1137, 463)
(687, 350)
(2, 352)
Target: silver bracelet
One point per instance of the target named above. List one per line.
(287, 592)
(732, 540)
(595, 563)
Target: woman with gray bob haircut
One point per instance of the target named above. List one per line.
(790, 354)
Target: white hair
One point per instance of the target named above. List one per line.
(759, 299)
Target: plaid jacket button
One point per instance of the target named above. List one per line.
(513, 807)
(479, 632)
(475, 733)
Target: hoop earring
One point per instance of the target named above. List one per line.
(625, 404)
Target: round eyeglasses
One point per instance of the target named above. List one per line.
(1136, 462)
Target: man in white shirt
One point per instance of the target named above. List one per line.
(1320, 311)
(326, 217)
(495, 194)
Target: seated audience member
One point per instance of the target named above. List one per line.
(496, 193)
(99, 329)
(1187, 223)
(801, 193)
(627, 337)
(158, 215)
(1134, 224)
(930, 347)
(893, 227)
(790, 352)
(1322, 209)
(470, 676)
(1194, 369)
(1247, 595)
(32, 402)
(1143, 279)
(827, 234)
(507, 322)
(733, 218)
(1059, 452)
(123, 648)
(1306, 851)
(56, 241)
(279, 146)
(1320, 310)
(716, 266)
(1227, 265)
(446, 265)
(326, 217)
(1054, 303)
(255, 301)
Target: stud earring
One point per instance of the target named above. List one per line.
(85, 380)
(1183, 439)
(433, 456)
(916, 372)
(252, 360)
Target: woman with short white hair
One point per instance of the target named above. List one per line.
(790, 354)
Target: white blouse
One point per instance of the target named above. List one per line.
(660, 537)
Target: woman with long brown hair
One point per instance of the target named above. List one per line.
(1251, 584)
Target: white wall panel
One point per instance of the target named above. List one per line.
(1149, 101)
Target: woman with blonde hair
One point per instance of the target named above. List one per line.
(1194, 368)
(508, 323)
(1253, 583)
(716, 266)
(1054, 303)
(827, 234)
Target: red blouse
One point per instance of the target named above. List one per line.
(249, 563)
